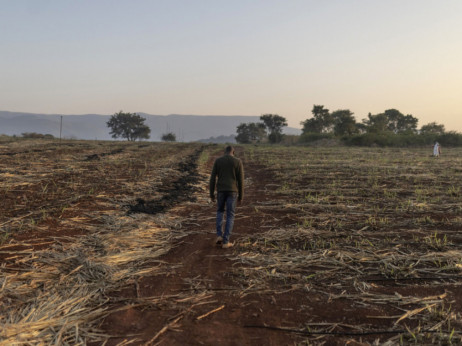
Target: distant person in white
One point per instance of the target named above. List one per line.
(436, 149)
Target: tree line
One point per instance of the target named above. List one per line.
(269, 129)
(390, 128)
(341, 122)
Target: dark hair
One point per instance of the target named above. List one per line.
(229, 149)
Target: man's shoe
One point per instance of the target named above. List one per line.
(227, 245)
(219, 241)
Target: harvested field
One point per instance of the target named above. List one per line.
(111, 243)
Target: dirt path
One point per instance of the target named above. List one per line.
(204, 271)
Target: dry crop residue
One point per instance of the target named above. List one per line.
(67, 240)
(333, 246)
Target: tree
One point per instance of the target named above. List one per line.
(400, 123)
(432, 128)
(250, 133)
(128, 125)
(392, 121)
(321, 122)
(274, 123)
(169, 137)
(376, 123)
(344, 122)
(311, 125)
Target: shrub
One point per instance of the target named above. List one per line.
(450, 139)
(309, 137)
(385, 139)
(36, 135)
(290, 139)
(169, 137)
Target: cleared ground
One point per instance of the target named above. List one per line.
(110, 242)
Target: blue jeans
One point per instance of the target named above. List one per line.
(226, 199)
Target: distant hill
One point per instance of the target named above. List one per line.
(187, 128)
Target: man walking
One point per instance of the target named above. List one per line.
(230, 189)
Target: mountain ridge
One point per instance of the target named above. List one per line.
(187, 128)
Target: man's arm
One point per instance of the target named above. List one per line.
(213, 179)
(240, 182)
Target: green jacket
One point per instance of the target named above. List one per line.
(230, 172)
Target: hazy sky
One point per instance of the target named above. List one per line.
(233, 57)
